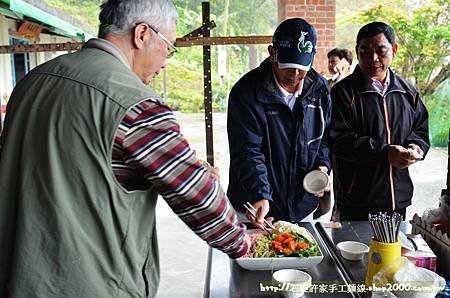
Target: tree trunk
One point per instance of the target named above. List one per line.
(432, 85)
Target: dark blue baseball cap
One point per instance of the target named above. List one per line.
(295, 42)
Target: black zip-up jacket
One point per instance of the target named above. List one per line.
(271, 147)
(364, 124)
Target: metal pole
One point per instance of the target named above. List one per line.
(207, 86)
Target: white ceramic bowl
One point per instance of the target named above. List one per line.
(352, 250)
(293, 282)
(316, 181)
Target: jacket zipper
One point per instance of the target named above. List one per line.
(295, 133)
(389, 141)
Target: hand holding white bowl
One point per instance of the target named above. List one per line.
(316, 182)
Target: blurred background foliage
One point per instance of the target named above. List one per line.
(438, 105)
(232, 18)
(86, 10)
(422, 27)
(423, 34)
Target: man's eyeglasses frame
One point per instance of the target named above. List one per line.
(172, 49)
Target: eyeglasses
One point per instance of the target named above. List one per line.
(172, 49)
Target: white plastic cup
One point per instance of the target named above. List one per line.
(316, 182)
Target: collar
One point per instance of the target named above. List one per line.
(283, 91)
(107, 46)
(386, 82)
(268, 91)
(381, 87)
(363, 83)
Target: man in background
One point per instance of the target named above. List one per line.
(86, 149)
(278, 119)
(379, 129)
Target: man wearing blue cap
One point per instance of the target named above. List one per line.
(278, 119)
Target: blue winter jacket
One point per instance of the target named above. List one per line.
(271, 147)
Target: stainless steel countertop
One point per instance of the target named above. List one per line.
(225, 279)
(352, 231)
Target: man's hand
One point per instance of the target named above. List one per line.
(213, 171)
(415, 152)
(400, 157)
(328, 188)
(262, 208)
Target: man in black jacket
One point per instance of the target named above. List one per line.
(278, 120)
(379, 128)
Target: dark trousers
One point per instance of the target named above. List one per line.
(362, 213)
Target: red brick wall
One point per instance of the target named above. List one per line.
(319, 13)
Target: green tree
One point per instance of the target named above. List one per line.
(86, 10)
(438, 106)
(346, 30)
(184, 73)
(423, 35)
(186, 68)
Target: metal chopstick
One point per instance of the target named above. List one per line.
(255, 217)
(385, 228)
(247, 206)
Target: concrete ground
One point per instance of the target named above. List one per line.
(183, 255)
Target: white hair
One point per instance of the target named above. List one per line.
(120, 16)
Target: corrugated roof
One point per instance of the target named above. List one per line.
(20, 9)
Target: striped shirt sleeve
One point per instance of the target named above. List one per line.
(149, 144)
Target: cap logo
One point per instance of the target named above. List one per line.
(304, 47)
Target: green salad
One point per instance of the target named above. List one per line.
(291, 241)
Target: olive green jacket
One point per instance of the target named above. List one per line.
(67, 227)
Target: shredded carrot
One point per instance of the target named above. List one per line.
(285, 243)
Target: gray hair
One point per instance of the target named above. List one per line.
(120, 16)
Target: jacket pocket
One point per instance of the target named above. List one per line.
(361, 185)
(403, 188)
(313, 124)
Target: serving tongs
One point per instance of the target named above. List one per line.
(267, 225)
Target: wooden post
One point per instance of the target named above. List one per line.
(207, 86)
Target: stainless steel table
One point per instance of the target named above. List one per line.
(354, 271)
(225, 279)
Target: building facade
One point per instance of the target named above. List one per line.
(319, 13)
(25, 22)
